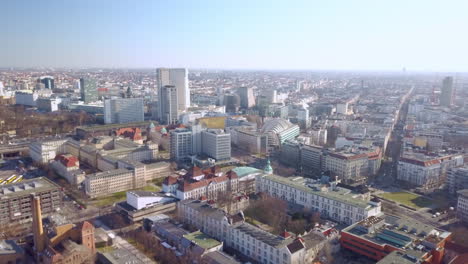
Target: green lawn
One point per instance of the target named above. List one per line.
(409, 199)
(121, 196)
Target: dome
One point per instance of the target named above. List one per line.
(276, 125)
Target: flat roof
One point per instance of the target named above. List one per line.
(202, 240)
(26, 187)
(264, 236)
(113, 126)
(243, 171)
(340, 194)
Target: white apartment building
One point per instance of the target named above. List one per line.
(123, 110)
(248, 240)
(426, 172)
(216, 144)
(348, 167)
(337, 203)
(181, 143)
(462, 205)
(177, 78)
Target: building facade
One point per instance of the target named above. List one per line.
(462, 205)
(169, 105)
(177, 78)
(123, 110)
(216, 144)
(88, 90)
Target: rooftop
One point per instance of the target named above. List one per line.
(202, 240)
(26, 187)
(10, 247)
(244, 171)
(398, 257)
(339, 194)
(265, 237)
(121, 256)
(113, 126)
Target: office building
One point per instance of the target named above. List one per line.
(27, 99)
(303, 117)
(337, 203)
(216, 144)
(47, 104)
(447, 95)
(123, 110)
(142, 204)
(48, 82)
(462, 205)
(457, 179)
(247, 98)
(15, 197)
(88, 90)
(395, 239)
(232, 103)
(177, 78)
(181, 143)
(169, 105)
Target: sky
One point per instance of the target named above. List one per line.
(375, 35)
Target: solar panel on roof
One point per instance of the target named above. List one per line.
(396, 235)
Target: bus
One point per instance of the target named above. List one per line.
(1, 181)
(20, 178)
(9, 178)
(12, 179)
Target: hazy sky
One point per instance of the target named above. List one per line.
(252, 34)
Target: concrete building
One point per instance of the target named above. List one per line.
(15, 203)
(88, 90)
(181, 144)
(457, 179)
(10, 252)
(142, 204)
(123, 110)
(112, 181)
(216, 144)
(169, 105)
(43, 152)
(318, 137)
(247, 98)
(462, 205)
(27, 99)
(232, 103)
(447, 95)
(303, 117)
(311, 160)
(291, 154)
(47, 104)
(382, 237)
(48, 82)
(426, 172)
(337, 203)
(177, 78)
(68, 166)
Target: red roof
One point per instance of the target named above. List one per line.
(134, 133)
(67, 160)
(285, 234)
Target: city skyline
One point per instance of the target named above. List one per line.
(298, 35)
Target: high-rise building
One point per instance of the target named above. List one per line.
(448, 93)
(1, 89)
(232, 102)
(88, 89)
(48, 82)
(123, 110)
(181, 143)
(177, 78)
(216, 144)
(247, 98)
(169, 105)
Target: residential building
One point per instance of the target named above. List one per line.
(291, 154)
(169, 105)
(68, 166)
(387, 237)
(15, 197)
(88, 90)
(337, 203)
(181, 143)
(462, 205)
(123, 110)
(248, 240)
(177, 78)
(216, 143)
(427, 172)
(447, 95)
(457, 179)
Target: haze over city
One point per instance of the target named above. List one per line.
(233, 132)
(312, 35)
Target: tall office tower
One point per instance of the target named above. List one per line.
(88, 89)
(247, 98)
(181, 143)
(123, 110)
(38, 230)
(303, 117)
(232, 102)
(220, 94)
(169, 105)
(1, 89)
(216, 144)
(197, 138)
(447, 95)
(48, 82)
(177, 78)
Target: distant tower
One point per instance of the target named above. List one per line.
(168, 100)
(247, 98)
(268, 169)
(38, 230)
(177, 78)
(1, 89)
(88, 89)
(447, 95)
(48, 82)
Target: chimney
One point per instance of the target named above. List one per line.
(39, 236)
